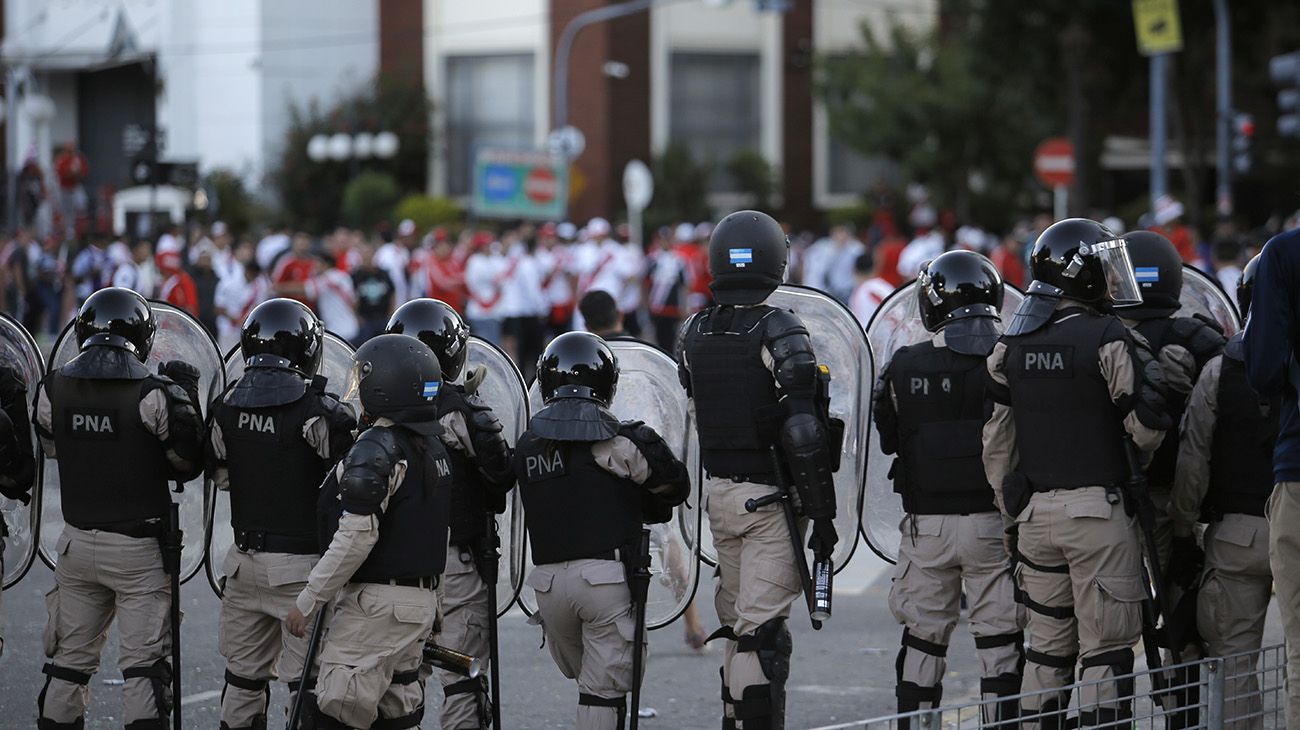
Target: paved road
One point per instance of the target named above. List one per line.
(842, 673)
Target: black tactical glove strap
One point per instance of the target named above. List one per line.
(1057, 612)
(71, 676)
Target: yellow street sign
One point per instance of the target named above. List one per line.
(1158, 27)
(577, 182)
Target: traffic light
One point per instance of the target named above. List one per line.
(1285, 72)
(1243, 137)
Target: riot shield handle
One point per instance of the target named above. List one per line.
(792, 522)
(172, 544)
(306, 681)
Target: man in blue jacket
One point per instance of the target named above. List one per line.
(1271, 366)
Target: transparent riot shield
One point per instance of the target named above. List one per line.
(648, 390)
(502, 388)
(336, 368)
(19, 351)
(896, 324)
(1202, 295)
(179, 337)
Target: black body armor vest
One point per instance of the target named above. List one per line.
(469, 495)
(1069, 433)
(940, 396)
(112, 471)
(274, 473)
(413, 529)
(1241, 457)
(574, 508)
(736, 407)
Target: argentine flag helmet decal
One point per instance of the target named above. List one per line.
(431, 389)
(740, 257)
(1146, 274)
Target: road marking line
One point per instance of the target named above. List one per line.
(200, 697)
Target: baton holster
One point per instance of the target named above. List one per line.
(1016, 491)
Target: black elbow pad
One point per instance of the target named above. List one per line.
(804, 445)
(342, 425)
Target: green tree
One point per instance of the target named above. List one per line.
(369, 198)
(310, 192)
(681, 188)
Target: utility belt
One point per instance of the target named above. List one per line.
(1017, 490)
(154, 527)
(428, 583)
(259, 541)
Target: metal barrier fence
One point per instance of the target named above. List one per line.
(1244, 691)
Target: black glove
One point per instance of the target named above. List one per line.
(1185, 561)
(823, 539)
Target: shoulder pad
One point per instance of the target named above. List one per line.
(338, 412)
(781, 323)
(574, 419)
(482, 418)
(1203, 337)
(266, 387)
(638, 432)
(366, 469)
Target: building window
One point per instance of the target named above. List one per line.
(489, 104)
(715, 108)
(851, 172)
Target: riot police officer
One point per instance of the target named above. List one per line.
(482, 476)
(17, 460)
(119, 434)
(577, 458)
(384, 511)
(754, 379)
(1074, 392)
(929, 410)
(1183, 345)
(1224, 478)
(275, 434)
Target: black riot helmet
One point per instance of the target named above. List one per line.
(116, 317)
(1158, 270)
(1246, 286)
(578, 365)
(438, 325)
(1086, 261)
(747, 257)
(957, 285)
(398, 377)
(284, 334)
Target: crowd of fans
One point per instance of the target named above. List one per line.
(516, 285)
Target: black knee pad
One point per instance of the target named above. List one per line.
(46, 724)
(259, 723)
(618, 704)
(912, 696)
(159, 675)
(482, 699)
(773, 644)
(399, 723)
(1120, 662)
(72, 676)
(756, 709)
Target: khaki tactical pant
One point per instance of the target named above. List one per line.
(1235, 590)
(101, 575)
(370, 658)
(259, 589)
(1080, 571)
(1284, 559)
(463, 597)
(589, 624)
(939, 556)
(757, 583)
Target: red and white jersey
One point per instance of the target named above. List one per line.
(866, 298)
(442, 278)
(396, 260)
(483, 277)
(235, 298)
(336, 302)
(554, 264)
(521, 286)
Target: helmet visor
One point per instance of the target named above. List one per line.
(1121, 283)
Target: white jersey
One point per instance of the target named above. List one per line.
(920, 250)
(270, 247)
(483, 282)
(521, 286)
(336, 302)
(867, 297)
(632, 269)
(395, 259)
(605, 266)
(553, 264)
(143, 279)
(235, 298)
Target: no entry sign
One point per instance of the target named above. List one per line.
(1054, 162)
(519, 184)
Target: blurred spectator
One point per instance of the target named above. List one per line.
(1227, 265)
(828, 264)
(376, 298)
(170, 239)
(632, 266)
(600, 262)
(553, 261)
(523, 306)
(442, 272)
(888, 250)
(206, 281)
(47, 268)
(91, 268)
(140, 272)
(395, 258)
(177, 287)
(601, 316)
(483, 272)
(31, 189)
(272, 245)
(71, 167)
(1168, 217)
(13, 273)
(668, 284)
(294, 269)
(921, 249)
(697, 258)
(871, 289)
(236, 296)
(335, 298)
(1009, 258)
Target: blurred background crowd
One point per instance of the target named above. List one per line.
(518, 285)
